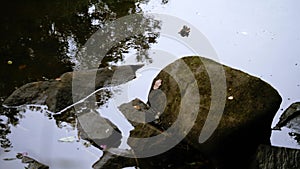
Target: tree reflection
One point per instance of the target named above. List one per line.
(39, 40)
(12, 117)
(41, 37)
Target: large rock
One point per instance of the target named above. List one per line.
(250, 105)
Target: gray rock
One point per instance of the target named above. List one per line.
(33, 164)
(250, 105)
(57, 94)
(269, 157)
(289, 115)
(290, 118)
(98, 130)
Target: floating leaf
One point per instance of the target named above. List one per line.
(157, 84)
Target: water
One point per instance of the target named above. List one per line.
(39, 41)
(38, 136)
(260, 38)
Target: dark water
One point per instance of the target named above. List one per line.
(39, 41)
(38, 37)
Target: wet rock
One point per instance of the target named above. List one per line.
(290, 118)
(182, 156)
(98, 130)
(250, 105)
(57, 94)
(114, 159)
(269, 157)
(32, 163)
(295, 135)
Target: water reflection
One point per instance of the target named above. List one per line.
(38, 137)
(39, 41)
(38, 36)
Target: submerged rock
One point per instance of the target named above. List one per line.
(250, 105)
(98, 130)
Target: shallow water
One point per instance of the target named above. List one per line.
(260, 38)
(38, 136)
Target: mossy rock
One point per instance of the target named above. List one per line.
(249, 107)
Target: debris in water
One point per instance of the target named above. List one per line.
(87, 144)
(9, 62)
(230, 98)
(67, 139)
(185, 31)
(9, 159)
(157, 84)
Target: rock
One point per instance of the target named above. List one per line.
(57, 94)
(179, 157)
(98, 130)
(250, 105)
(290, 118)
(32, 163)
(184, 109)
(290, 114)
(269, 157)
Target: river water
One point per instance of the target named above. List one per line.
(40, 40)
